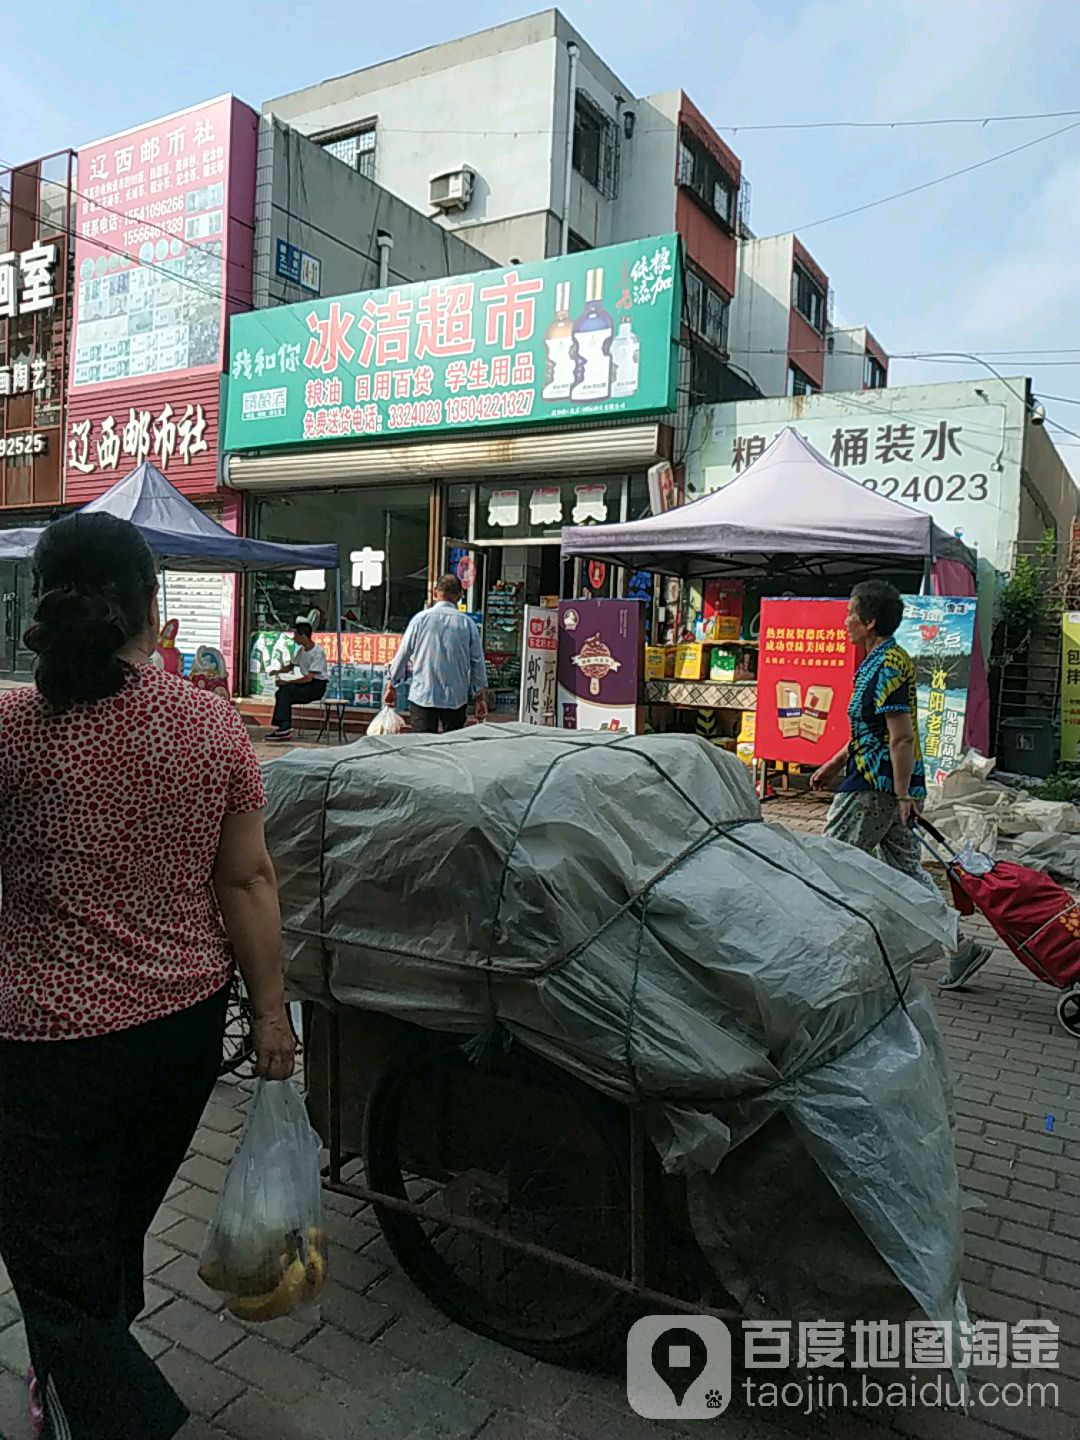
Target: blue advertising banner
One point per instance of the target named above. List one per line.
(938, 632)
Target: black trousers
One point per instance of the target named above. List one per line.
(92, 1133)
(298, 694)
(428, 720)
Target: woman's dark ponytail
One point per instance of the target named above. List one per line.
(94, 580)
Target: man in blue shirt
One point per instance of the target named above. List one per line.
(442, 654)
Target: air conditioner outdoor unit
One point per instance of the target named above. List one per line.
(452, 190)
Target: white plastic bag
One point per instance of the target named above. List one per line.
(266, 1247)
(386, 722)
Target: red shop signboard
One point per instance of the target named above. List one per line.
(806, 667)
(163, 256)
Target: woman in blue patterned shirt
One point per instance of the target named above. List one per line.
(882, 785)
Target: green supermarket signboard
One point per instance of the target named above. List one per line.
(580, 337)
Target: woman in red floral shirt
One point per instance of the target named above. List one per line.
(134, 870)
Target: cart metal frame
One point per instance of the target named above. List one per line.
(635, 1286)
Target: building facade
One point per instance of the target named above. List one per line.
(567, 158)
(324, 230)
(779, 320)
(36, 268)
(968, 453)
(854, 360)
(164, 240)
(454, 424)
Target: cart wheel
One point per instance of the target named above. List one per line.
(239, 1045)
(512, 1143)
(1068, 1011)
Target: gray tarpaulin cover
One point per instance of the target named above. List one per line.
(619, 907)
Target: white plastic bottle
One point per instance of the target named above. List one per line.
(625, 359)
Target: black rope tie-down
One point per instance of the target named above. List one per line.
(494, 1032)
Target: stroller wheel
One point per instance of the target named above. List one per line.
(1069, 1012)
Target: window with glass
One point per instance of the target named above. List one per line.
(808, 298)
(356, 150)
(799, 383)
(576, 243)
(706, 310)
(56, 202)
(874, 377)
(596, 146)
(380, 591)
(700, 172)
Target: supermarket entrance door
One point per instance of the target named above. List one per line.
(517, 575)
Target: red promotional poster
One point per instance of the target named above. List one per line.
(806, 666)
(360, 649)
(722, 608)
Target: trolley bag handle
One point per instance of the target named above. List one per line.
(951, 857)
(949, 862)
(932, 830)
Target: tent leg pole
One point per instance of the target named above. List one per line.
(337, 587)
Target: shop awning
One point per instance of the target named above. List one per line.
(180, 534)
(596, 450)
(787, 511)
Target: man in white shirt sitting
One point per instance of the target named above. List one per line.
(312, 674)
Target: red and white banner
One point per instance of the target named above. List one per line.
(806, 666)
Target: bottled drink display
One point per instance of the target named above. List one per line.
(593, 330)
(559, 342)
(625, 359)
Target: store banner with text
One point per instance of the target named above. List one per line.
(940, 461)
(163, 254)
(152, 249)
(806, 665)
(938, 632)
(1070, 686)
(538, 673)
(585, 336)
(600, 654)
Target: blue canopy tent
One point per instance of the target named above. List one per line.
(181, 536)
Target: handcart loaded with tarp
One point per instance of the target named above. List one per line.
(593, 1038)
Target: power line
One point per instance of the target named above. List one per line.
(934, 357)
(207, 288)
(930, 357)
(980, 120)
(668, 128)
(925, 352)
(953, 357)
(929, 184)
(1063, 428)
(70, 233)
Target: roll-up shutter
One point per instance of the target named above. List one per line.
(616, 448)
(194, 599)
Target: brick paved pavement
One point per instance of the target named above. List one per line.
(380, 1364)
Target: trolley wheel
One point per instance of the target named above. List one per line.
(513, 1143)
(239, 1044)
(1068, 1012)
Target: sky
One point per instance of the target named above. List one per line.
(981, 264)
